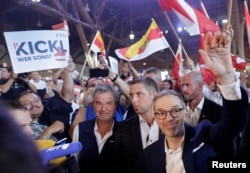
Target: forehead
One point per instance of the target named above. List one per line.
(138, 88)
(104, 95)
(34, 73)
(167, 102)
(94, 82)
(29, 96)
(166, 82)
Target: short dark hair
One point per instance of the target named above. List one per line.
(148, 82)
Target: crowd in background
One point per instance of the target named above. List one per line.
(123, 117)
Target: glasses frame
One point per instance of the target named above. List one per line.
(170, 112)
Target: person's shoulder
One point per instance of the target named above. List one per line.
(87, 124)
(212, 103)
(129, 122)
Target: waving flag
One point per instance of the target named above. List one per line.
(238, 63)
(247, 16)
(150, 43)
(97, 44)
(194, 21)
(63, 26)
(178, 65)
(207, 74)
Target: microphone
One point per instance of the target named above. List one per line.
(59, 151)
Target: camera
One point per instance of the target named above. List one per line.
(97, 72)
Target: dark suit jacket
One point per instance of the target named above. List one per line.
(128, 147)
(210, 111)
(90, 161)
(203, 141)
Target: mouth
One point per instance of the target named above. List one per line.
(170, 125)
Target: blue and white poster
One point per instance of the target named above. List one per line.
(37, 50)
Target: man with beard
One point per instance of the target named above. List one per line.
(198, 106)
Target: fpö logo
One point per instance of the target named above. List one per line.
(54, 47)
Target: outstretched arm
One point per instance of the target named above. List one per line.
(217, 55)
(67, 92)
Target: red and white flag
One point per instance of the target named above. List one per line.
(63, 26)
(207, 74)
(194, 21)
(97, 44)
(178, 64)
(247, 16)
(150, 43)
(238, 63)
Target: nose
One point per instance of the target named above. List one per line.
(168, 117)
(103, 107)
(133, 99)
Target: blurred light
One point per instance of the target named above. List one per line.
(179, 29)
(164, 74)
(224, 21)
(144, 63)
(166, 31)
(131, 35)
(36, 0)
(87, 7)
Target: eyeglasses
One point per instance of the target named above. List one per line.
(174, 113)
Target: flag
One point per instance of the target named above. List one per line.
(63, 26)
(178, 65)
(150, 43)
(247, 16)
(206, 73)
(97, 44)
(194, 21)
(238, 63)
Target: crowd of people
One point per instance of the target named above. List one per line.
(135, 123)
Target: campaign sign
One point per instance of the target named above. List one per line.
(37, 50)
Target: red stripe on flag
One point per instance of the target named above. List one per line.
(154, 34)
(99, 43)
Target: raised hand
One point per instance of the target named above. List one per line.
(217, 54)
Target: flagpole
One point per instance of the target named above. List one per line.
(171, 50)
(83, 67)
(170, 23)
(229, 14)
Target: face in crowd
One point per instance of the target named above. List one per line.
(33, 104)
(169, 113)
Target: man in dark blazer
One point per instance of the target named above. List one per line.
(182, 148)
(138, 132)
(197, 104)
(201, 108)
